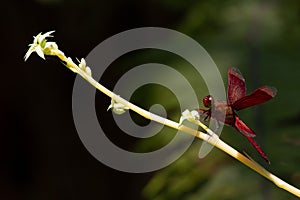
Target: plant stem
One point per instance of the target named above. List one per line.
(211, 137)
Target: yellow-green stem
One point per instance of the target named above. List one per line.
(211, 138)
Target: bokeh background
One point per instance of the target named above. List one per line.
(41, 154)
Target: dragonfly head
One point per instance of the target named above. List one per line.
(207, 101)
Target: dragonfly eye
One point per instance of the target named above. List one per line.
(207, 101)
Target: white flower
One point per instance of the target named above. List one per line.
(117, 108)
(41, 46)
(191, 116)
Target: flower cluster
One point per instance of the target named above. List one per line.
(41, 46)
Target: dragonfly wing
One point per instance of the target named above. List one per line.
(249, 134)
(258, 96)
(258, 148)
(243, 128)
(236, 85)
(206, 147)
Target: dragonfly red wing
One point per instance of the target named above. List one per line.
(243, 128)
(249, 134)
(258, 96)
(258, 148)
(236, 86)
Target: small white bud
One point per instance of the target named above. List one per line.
(88, 71)
(117, 108)
(191, 116)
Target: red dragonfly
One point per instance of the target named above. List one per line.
(237, 100)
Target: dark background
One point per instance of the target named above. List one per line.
(41, 154)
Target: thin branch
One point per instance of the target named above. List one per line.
(211, 138)
(51, 48)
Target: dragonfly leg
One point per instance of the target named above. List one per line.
(205, 115)
(207, 118)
